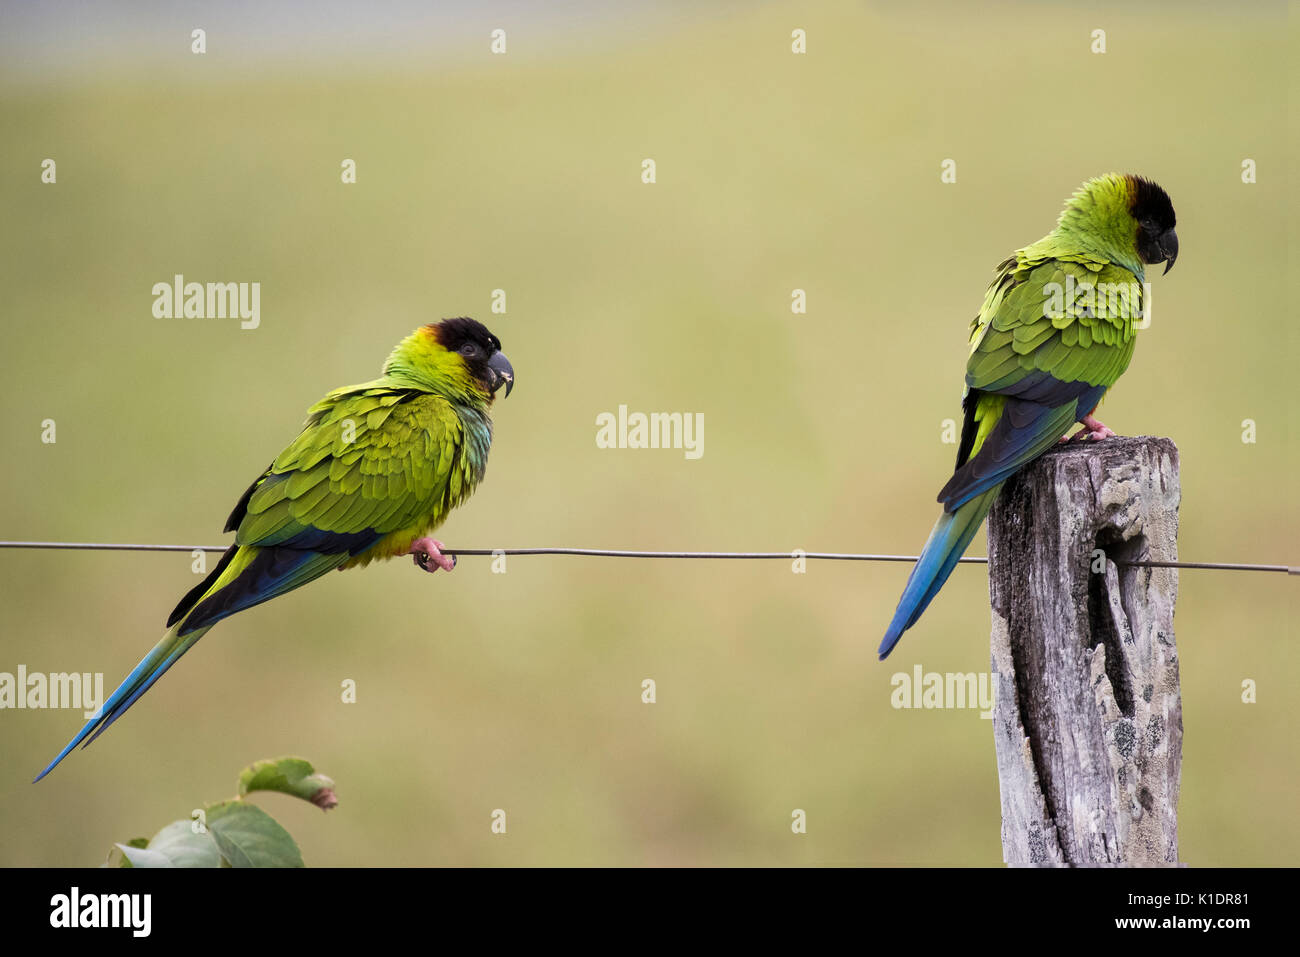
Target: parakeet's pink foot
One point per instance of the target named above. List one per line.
(1094, 430)
(428, 555)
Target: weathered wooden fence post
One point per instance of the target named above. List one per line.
(1088, 716)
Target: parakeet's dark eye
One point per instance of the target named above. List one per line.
(471, 350)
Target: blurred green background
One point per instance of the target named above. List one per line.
(521, 691)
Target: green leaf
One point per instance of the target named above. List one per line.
(289, 775)
(121, 859)
(247, 836)
(140, 857)
(179, 844)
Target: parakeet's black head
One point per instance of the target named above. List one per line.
(1151, 208)
(458, 358)
(1122, 218)
(478, 349)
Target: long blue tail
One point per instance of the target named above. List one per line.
(948, 540)
(155, 664)
(246, 576)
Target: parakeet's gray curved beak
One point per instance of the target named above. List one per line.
(1168, 243)
(502, 372)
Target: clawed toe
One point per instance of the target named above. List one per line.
(428, 555)
(1094, 430)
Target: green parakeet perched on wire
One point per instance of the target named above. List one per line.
(376, 468)
(1056, 330)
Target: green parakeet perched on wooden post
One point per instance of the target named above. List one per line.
(1056, 330)
(376, 468)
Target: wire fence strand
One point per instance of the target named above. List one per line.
(624, 553)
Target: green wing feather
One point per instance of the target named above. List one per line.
(1040, 362)
(370, 461)
(1013, 335)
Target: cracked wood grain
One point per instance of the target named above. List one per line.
(1088, 715)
